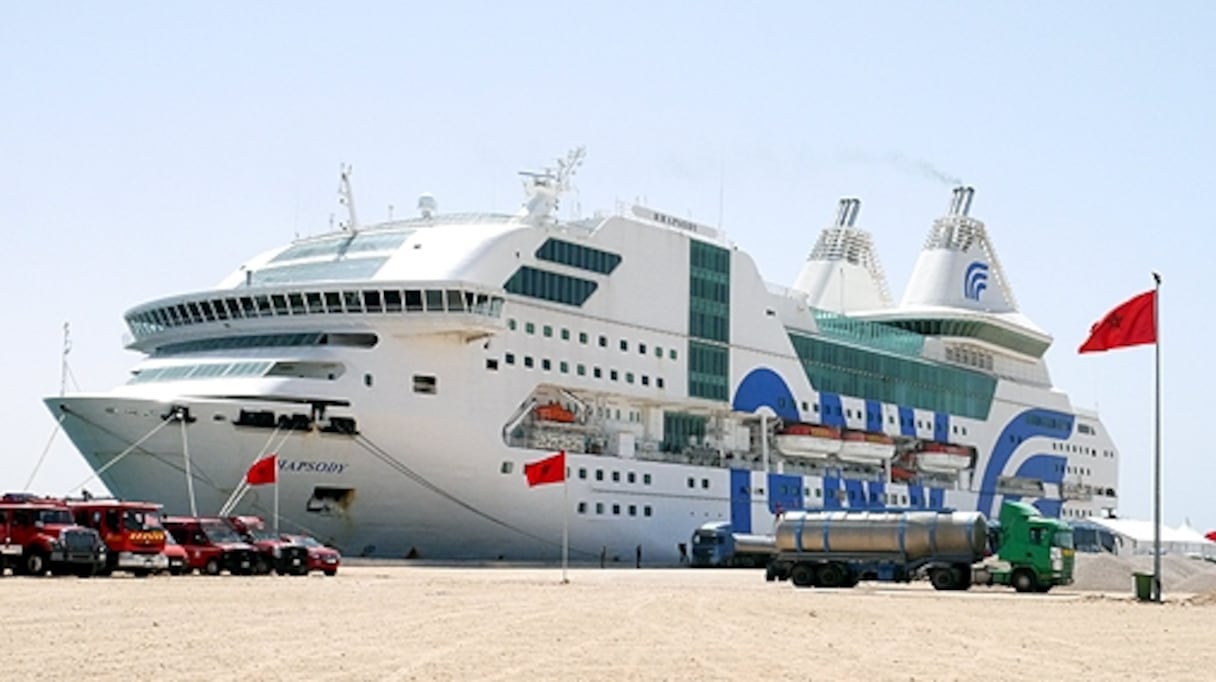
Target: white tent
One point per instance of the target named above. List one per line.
(1138, 537)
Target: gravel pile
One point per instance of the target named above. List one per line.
(1111, 573)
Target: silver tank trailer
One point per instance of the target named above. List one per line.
(925, 533)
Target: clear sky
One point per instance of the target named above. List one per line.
(147, 149)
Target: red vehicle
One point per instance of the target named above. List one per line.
(320, 557)
(212, 546)
(131, 530)
(282, 555)
(39, 534)
(175, 554)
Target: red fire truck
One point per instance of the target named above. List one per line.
(132, 532)
(38, 535)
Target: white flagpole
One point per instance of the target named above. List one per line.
(189, 476)
(565, 517)
(276, 496)
(1157, 446)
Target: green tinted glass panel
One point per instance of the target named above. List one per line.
(578, 256)
(865, 373)
(550, 286)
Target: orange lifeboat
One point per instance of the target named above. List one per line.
(554, 412)
(862, 447)
(944, 458)
(808, 440)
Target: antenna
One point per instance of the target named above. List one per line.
(346, 197)
(67, 348)
(545, 187)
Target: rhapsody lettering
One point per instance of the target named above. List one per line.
(312, 467)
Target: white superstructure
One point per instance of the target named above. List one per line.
(404, 372)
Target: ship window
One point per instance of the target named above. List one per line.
(491, 363)
(705, 484)
(195, 315)
(629, 377)
(528, 361)
(333, 302)
(208, 313)
(631, 477)
(506, 467)
(434, 300)
(564, 367)
(616, 510)
(413, 300)
(659, 382)
(599, 507)
(510, 358)
(392, 301)
(692, 482)
(455, 301)
(624, 344)
(221, 311)
(582, 507)
(641, 349)
(597, 372)
(616, 477)
(603, 342)
(371, 301)
(645, 380)
(367, 380)
(511, 324)
(658, 351)
(582, 370)
(612, 374)
(646, 510)
(353, 301)
(645, 479)
(547, 331)
(565, 335)
(672, 353)
(582, 473)
(425, 383)
(296, 301)
(599, 474)
(545, 364)
(582, 338)
(529, 328)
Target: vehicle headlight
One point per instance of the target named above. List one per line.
(278, 552)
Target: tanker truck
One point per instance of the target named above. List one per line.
(714, 545)
(954, 550)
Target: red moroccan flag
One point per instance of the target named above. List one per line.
(263, 471)
(1134, 323)
(548, 470)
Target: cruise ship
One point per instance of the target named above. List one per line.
(405, 372)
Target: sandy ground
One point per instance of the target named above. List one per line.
(426, 623)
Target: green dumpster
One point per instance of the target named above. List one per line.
(1144, 586)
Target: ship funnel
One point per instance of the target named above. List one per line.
(843, 273)
(958, 266)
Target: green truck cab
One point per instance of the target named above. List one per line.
(1033, 553)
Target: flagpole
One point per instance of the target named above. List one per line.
(1157, 445)
(565, 518)
(276, 502)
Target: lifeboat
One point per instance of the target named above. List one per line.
(554, 412)
(861, 447)
(808, 440)
(944, 458)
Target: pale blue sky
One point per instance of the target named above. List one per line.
(148, 148)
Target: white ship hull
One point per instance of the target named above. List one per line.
(396, 377)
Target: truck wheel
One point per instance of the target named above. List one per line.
(1024, 580)
(833, 575)
(212, 567)
(34, 563)
(802, 576)
(261, 566)
(942, 578)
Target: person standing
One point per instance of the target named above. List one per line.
(603, 555)
(639, 555)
